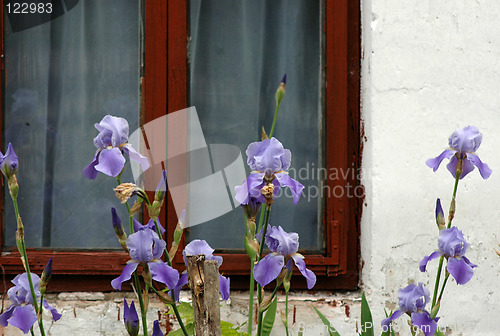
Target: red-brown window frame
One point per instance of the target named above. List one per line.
(165, 90)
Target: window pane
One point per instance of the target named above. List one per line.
(61, 77)
(239, 52)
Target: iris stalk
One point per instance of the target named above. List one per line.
(451, 214)
(27, 267)
(259, 257)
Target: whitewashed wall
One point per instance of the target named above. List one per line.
(429, 67)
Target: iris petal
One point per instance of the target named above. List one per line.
(177, 289)
(55, 315)
(163, 273)
(460, 270)
(118, 127)
(125, 276)
(140, 246)
(385, 322)
(308, 274)
(6, 315)
(424, 321)
(197, 247)
(268, 268)
(137, 157)
(426, 259)
(278, 240)
(224, 287)
(248, 188)
(296, 187)
(434, 163)
(111, 162)
(23, 318)
(89, 171)
(484, 169)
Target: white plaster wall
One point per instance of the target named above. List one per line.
(429, 67)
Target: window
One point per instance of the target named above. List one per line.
(167, 88)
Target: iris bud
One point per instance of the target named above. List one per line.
(45, 278)
(280, 93)
(440, 221)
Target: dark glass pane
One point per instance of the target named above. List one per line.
(61, 77)
(239, 52)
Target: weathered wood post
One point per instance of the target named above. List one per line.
(204, 283)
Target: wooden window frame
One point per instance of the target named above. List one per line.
(165, 90)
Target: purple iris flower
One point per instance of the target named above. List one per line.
(269, 162)
(283, 246)
(412, 301)
(156, 329)
(130, 318)
(146, 248)
(463, 145)
(197, 247)
(21, 313)
(9, 162)
(453, 246)
(111, 143)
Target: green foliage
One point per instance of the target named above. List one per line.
(228, 329)
(187, 314)
(178, 332)
(331, 330)
(268, 321)
(366, 318)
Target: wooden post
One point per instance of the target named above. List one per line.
(204, 283)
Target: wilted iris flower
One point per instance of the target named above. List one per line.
(269, 162)
(453, 246)
(111, 143)
(21, 313)
(146, 248)
(9, 162)
(412, 301)
(463, 146)
(130, 318)
(197, 247)
(284, 247)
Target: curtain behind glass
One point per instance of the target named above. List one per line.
(239, 53)
(61, 78)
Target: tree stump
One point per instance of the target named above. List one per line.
(204, 283)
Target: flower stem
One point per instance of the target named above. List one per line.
(286, 313)
(442, 291)
(24, 255)
(179, 318)
(451, 215)
(40, 319)
(141, 302)
(259, 257)
(262, 240)
(274, 120)
(436, 284)
(251, 295)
